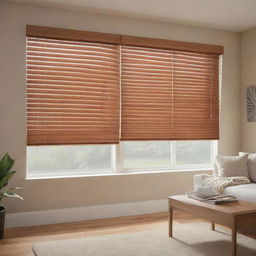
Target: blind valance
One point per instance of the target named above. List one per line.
(97, 37)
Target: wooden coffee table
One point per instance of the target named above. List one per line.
(235, 215)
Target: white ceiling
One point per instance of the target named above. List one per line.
(234, 15)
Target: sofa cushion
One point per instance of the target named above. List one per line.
(246, 192)
(229, 166)
(251, 165)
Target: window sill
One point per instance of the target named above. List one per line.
(139, 172)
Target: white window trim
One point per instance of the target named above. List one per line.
(138, 172)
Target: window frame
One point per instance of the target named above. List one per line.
(116, 150)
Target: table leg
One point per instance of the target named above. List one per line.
(213, 226)
(234, 239)
(170, 220)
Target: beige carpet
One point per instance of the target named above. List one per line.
(191, 239)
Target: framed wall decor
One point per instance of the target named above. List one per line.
(251, 103)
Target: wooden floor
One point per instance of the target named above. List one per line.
(18, 241)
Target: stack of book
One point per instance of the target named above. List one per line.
(213, 199)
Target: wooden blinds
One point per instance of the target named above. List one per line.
(147, 106)
(169, 89)
(169, 95)
(195, 96)
(72, 92)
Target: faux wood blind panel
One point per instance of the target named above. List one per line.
(72, 92)
(169, 95)
(147, 104)
(195, 96)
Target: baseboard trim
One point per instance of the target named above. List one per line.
(84, 213)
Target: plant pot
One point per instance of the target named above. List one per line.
(2, 218)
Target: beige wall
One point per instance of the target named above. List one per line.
(63, 193)
(248, 77)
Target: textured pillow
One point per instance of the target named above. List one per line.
(251, 165)
(229, 166)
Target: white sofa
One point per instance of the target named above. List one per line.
(245, 192)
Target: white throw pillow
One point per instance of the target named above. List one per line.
(251, 165)
(229, 166)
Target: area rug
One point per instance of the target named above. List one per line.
(190, 239)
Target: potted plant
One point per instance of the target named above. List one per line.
(6, 164)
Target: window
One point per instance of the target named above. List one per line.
(193, 152)
(140, 155)
(133, 156)
(99, 103)
(167, 155)
(57, 161)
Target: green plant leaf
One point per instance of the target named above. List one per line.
(4, 181)
(12, 194)
(6, 164)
